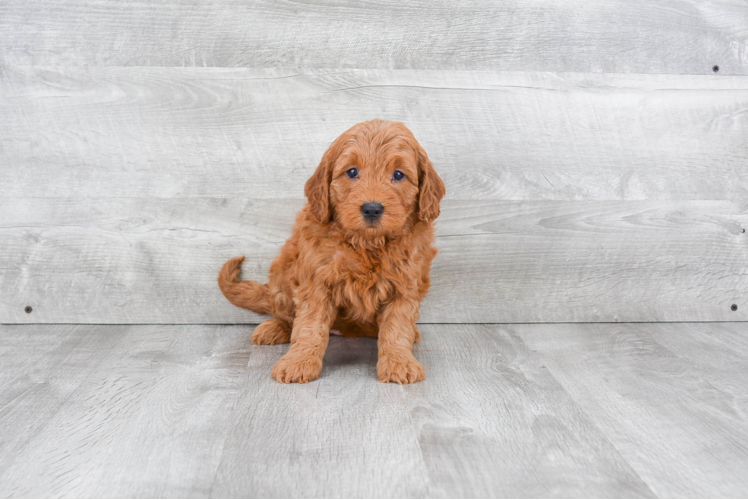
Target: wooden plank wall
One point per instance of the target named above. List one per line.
(596, 164)
(610, 36)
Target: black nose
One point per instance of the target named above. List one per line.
(372, 211)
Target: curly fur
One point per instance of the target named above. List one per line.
(340, 271)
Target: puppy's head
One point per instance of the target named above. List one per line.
(375, 179)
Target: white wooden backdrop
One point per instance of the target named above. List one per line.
(596, 163)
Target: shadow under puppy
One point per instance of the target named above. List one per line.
(358, 259)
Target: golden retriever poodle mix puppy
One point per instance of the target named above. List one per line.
(358, 258)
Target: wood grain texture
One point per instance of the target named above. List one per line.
(621, 36)
(40, 368)
(684, 434)
(459, 434)
(493, 422)
(149, 421)
(563, 410)
(343, 435)
(168, 132)
(130, 260)
(723, 367)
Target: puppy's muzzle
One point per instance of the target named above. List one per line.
(372, 211)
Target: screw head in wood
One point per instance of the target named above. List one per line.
(715, 68)
(734, 307)
(28, 309)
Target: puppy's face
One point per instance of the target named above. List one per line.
(374, 182)
(375, 179)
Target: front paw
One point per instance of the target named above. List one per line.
(400, 368)
(294, 368)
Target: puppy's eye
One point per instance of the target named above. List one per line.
(352, 173)
(398, 176)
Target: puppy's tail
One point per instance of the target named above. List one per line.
(247, 294)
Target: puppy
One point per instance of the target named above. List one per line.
(358, 259)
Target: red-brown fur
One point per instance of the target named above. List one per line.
(340, 271)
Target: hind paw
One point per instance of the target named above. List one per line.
(272, 332)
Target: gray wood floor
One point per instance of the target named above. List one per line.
(591, 410)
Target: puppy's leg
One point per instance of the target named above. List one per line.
(272, 332)
(397, 332)
(309, 337)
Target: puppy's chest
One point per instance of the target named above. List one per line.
(363, 279)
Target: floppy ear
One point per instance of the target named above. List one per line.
(317, 188)
(431, 188)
